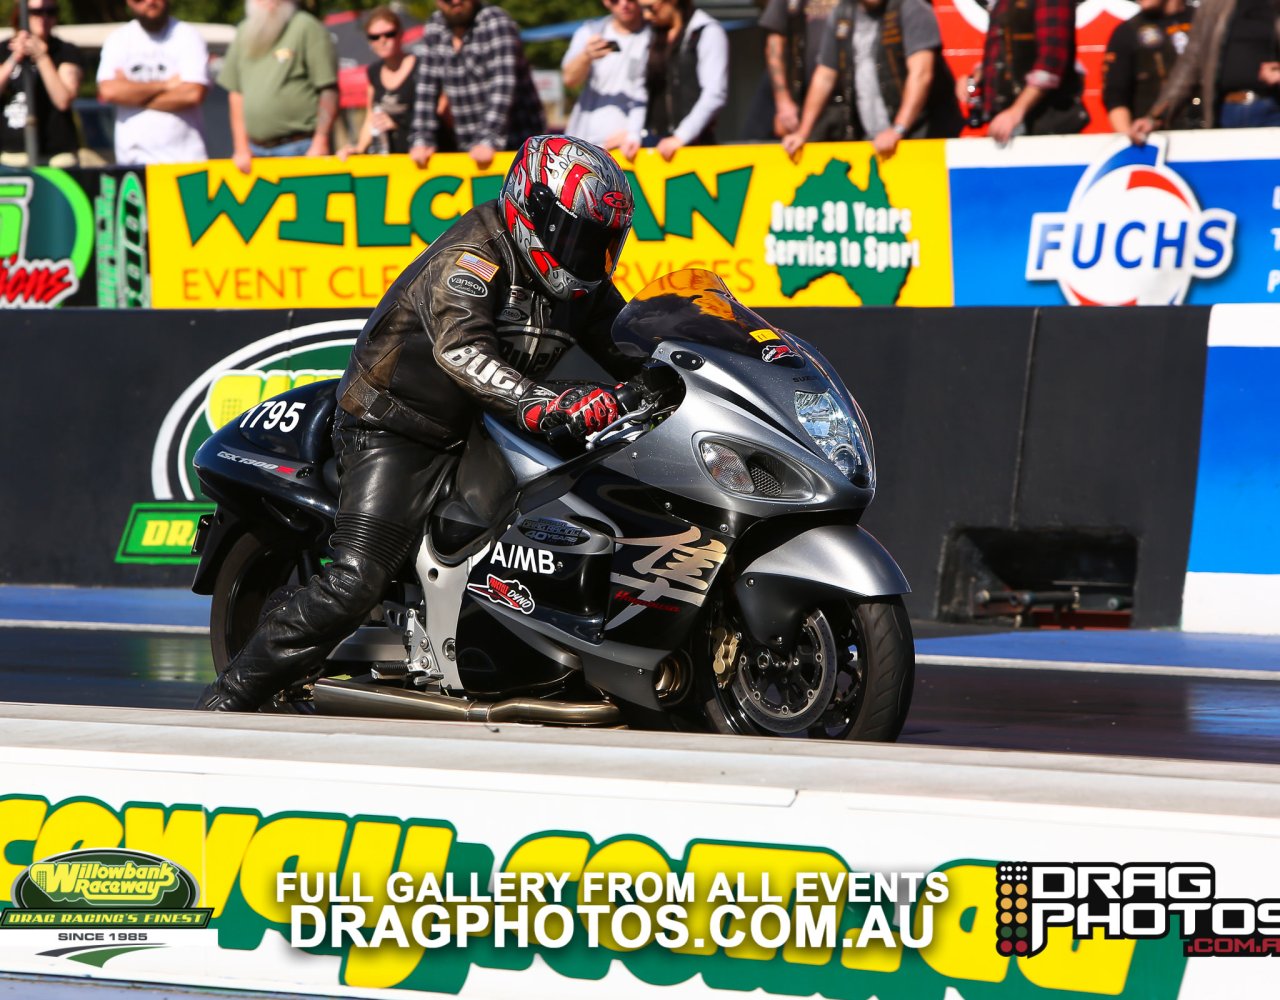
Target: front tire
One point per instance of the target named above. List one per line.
(848, 677)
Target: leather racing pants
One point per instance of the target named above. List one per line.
(386, 489)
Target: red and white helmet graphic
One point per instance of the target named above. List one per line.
(568, 207)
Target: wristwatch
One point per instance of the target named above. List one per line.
(900, 129)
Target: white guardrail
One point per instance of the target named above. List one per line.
(785, 832)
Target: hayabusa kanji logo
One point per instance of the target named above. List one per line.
(508, 593)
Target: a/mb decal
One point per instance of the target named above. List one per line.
(1134, 234)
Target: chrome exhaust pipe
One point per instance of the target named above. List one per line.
(334, 697)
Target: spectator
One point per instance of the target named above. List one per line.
(59, 68)
(471, 54)
(887, 59)
(389, 96)
(155, 70)
(687, 77)
(607, 59)
(1027, 81)
(794, 34)
(281, 74)
(1233, 54)
(1141, 53)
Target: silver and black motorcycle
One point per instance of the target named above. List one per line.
(699, 565)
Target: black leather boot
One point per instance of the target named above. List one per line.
(223, 696)
(252, 677)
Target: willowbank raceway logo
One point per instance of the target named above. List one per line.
(1133, 234)
(46, 238)
(95, 905)
(1130, 902)
(161, 531)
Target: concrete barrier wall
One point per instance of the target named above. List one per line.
(235, 802)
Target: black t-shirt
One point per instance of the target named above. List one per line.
(1251, 41)
(55, 130)
(397, 103)
(1139, 57)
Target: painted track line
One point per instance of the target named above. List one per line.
(1090, 667)
(922, 659)
(67, 626)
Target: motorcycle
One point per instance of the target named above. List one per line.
(699, 565)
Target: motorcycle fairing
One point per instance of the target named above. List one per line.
(268, 475)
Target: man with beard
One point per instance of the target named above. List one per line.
(281, 75)
(155, 71)
(472, 54)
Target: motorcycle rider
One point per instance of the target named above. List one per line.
(472, 323)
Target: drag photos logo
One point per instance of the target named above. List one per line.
(1133, 234)
(1129, 902)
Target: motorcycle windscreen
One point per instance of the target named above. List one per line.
(693, 305)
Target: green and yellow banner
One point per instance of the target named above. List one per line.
(836, 227)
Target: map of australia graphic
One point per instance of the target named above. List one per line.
(832, 226)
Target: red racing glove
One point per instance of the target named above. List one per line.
(583, 409)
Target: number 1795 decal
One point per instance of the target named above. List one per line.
(276, 411)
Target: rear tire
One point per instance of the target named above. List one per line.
(849, 677)
(251, 582)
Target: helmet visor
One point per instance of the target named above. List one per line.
(585, 248)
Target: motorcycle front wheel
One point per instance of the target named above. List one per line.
(849, 675)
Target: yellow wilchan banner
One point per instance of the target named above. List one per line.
(837, 227)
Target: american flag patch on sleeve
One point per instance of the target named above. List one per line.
(478, 266)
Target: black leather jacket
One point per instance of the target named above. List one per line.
(467, 325)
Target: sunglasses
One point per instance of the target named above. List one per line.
(647, 9)
(42, 12)
(381, 37)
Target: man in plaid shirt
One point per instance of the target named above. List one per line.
(1028, 69)
(471, 53)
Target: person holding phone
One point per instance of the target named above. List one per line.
(607, 59)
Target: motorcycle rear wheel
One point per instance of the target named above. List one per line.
(849, 676)
(252, 580)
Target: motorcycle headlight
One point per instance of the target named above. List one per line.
(838, 434)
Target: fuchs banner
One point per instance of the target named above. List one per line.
(1192, 217)
(73, 238)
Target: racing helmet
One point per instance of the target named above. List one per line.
(568, 208)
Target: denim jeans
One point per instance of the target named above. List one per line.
(1262, 113)
(298, 148)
